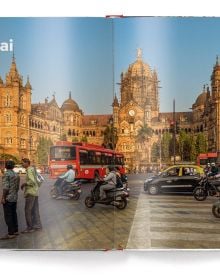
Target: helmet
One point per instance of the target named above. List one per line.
(213, 164)
(69, 166)
(208, 164)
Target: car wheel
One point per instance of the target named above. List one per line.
(153, 189)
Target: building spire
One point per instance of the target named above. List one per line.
(139, 54)
(217, 60)
(70, 97)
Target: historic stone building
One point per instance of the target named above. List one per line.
(139, 106)
(23, 123)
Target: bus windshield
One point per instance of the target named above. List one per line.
(62, 153)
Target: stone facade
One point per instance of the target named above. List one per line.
(23, 123)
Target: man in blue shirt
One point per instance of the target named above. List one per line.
(62, 180)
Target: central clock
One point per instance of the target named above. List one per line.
(131, 113)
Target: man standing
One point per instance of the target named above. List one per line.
(10, 184)
(31, 191)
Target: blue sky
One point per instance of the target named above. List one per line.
(75, 54)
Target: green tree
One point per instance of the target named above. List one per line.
(165, 146)
(155, 152)
(84, 139)
(200, 143)
(183, 139)
(63, 137)
(43, 149)
(144, 133)
(110, 137)
(75, 139)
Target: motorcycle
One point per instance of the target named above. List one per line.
(124, 179)
(207, 187)
(117, 197)
(70, 191)
(216, 209)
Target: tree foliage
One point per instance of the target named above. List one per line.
(43, 149)
(144, 133)
(110, 137)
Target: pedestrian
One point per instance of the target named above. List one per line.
(31, 192)
(10, 185)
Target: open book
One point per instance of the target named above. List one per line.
(121, 116)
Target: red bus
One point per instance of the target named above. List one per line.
(203, 159)
(89, 160)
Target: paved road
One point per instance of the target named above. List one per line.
(68, 224)
(164, 221)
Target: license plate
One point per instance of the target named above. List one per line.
(79, 191)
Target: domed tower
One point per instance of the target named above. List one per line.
(72, 117)
(140, 83)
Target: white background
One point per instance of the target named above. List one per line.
(121, 264)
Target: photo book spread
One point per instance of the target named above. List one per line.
(109, 133)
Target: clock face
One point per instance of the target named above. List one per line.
(131, 113)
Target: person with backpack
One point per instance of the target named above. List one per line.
(111, 181)
(10, 184)
(31, 192)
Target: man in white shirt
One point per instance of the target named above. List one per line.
(68, 177)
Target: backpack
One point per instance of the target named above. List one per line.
(119, 183)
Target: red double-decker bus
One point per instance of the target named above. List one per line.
(203, 159)
(89, 160)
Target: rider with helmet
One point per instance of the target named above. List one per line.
(110, 179)
(214, 170)
(64, 179)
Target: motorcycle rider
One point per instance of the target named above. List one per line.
(111, 182)
(63, 180)
(207, 168)
(214, 170)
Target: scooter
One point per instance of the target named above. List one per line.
(70, 191)
(117, 197)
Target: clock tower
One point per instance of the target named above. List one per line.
(137, 107)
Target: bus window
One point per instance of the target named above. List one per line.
(91, 157)
(62, 153)
(103, 158)
(98, 158)
(83, 157)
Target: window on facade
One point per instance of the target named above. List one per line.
(8, 101)
(8, 140)
(8, 118)
(22, 143)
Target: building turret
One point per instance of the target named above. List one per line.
(115, 106)
(28, 85)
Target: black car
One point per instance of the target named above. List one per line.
(175, 179)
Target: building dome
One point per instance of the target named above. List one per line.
(70, 105)
(139, 68)
(201, 99)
